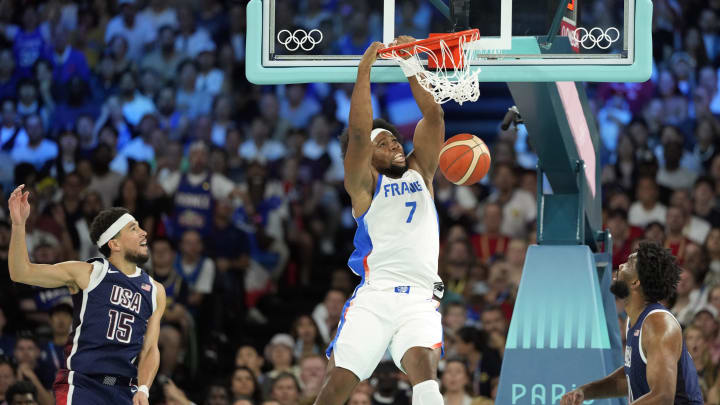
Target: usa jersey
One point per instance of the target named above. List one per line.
(397, 241)
(687, 389)
(109, 321)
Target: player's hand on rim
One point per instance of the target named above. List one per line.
(574, 397)
(370, 55)
(401, 40)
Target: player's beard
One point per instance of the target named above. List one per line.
(394, 171)
(136, 258)
(620, 289)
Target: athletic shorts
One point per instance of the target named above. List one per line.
(73, 388)
(374, 320)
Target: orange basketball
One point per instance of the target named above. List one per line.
(464, 159)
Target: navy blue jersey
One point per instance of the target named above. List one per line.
(687, 389)
(193, 207)
(109, 321)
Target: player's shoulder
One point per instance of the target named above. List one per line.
(661, 324)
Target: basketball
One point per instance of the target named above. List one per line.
(464, 159)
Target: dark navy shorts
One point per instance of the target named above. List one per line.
(73, 388)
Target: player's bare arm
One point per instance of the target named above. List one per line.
(359, 179)
(150, 354)
(614, 385)
(73, 274)
(429, 132)
(662, 343)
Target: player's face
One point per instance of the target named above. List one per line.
(389, 157)
(624, 277)
(133, 242)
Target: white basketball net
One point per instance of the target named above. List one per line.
(450, 81)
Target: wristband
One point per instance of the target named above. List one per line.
(409, 69)
(144, 389)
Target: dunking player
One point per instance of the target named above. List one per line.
(658, 368)
(111, 354)
(396, 248)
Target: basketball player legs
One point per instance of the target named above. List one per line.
(339, 384)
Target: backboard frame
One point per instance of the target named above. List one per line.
(295, 69)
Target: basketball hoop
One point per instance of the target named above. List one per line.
(448, 75)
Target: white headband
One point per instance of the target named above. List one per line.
(114, 229)
(375, 132)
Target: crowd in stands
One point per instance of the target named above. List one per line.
(144, 104)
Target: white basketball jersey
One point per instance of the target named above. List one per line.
(397, 242)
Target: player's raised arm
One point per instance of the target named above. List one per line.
(662, 341)
(150, 354)
(359, 151)
(72, 274)
(430, 131)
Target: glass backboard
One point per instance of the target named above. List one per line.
(521, 40)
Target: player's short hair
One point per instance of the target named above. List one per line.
(657, 271)
(102, 222)
(377, 123)
(21, 387)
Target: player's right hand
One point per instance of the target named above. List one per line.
(370, 55)
(19, 206)
(574, 397)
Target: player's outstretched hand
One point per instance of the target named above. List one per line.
(370, 55)
(574, 397)
(19, 206)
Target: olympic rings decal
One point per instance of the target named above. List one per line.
(596, 36)
(298, 39)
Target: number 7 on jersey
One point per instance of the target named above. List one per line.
(412, 205)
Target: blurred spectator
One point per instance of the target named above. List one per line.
(387, 389)
(11, 133)
(29, 368)
(197, 270)
(191, 39)
(270, 112)
(456, 387)
(29, 41)
(308, 340)
(671, 173)
(39, 150)
(61, 319)
(519, 207)
(323, 150)
(25, 393)
(159, 14)
(297, 107)
(696, 229)
(8, 76)
(279, 351)
(105, 181)
(247, 356)
(244, 385)
(66, 61)
(698, 349)
(194, 193)
(704, 204)
(483, 361)
(285, 389)
(176, 321)
(138, 31)
(359, 398)
(91, 205)
(30, 101)
(135, 106)
(491, 243)
(7, 378)
(164, 59)
(647, 208)
(689, 298)
(259, 146)
(623, 169)
(454, 316)
(189, 99)
(675, 239)
(495, 324)
(209, 78)
(312, 375)
(327, 314)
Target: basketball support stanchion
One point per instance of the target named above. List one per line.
(564, 330)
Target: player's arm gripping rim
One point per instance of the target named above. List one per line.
(74, 274)
(358, 174)
(429, 132)
(150, 354)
